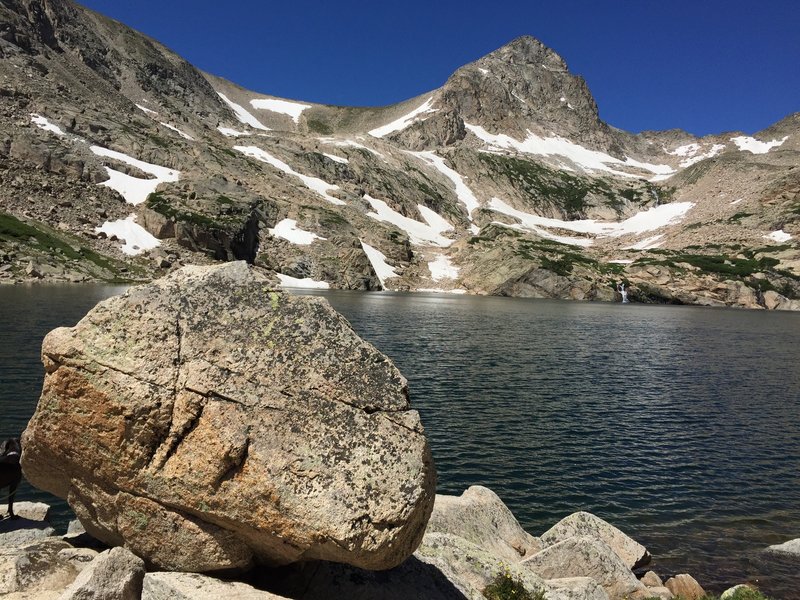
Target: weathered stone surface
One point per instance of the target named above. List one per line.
(685, 586)
(585, 524)
(115, 574)
(192, 586)
(575, 588)
(651, 579)
(480, 516)
(585, 557)
(33, 511)
(791, 547)
(659, 592)
(206, 421)
(35, 570)
(445, 567)
(17, 532)
(80, 558)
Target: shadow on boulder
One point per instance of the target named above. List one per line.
(323, 580)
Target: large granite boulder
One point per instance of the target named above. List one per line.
(207, 421)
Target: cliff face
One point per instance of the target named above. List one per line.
(503, 181)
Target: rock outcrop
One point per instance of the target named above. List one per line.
(208, 422)
(115, 574)
(792, 547)
(480, 517)
(632, 553)
(685, 586)
(586, 557)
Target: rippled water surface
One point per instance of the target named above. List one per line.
(680, 425)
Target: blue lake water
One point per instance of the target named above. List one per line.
(680, 425)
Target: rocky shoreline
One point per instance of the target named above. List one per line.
(471, 545)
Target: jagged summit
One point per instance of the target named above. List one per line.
(527, 50)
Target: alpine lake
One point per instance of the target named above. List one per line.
(679, 425)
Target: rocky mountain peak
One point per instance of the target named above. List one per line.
(527, 50)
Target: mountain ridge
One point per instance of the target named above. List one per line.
(504, 180)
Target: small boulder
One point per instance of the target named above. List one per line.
(480, 517)
(585, 524)
(207, 421)
(660, 592)
(730, 592)
(792, 547)
(651, 579)
(115, 574)
(585, 557)
(192, 586)
(685, 586)
(33, 511)
(35, 569)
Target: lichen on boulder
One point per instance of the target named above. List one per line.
(207, 422)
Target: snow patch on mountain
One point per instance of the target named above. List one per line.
(42, 123)
(779, 236)
(185, 136)
(345, 143)
(405, 120)
(335, 158)
(135, 190)
(137, 238)
(751, 144)
(377, 259)
(642, 222)
(590, 160)
(287, 281)
(418, 233)
(647, 243)
(437, 222)
(314, 183)
(442, 268)
(288, 230)
(146, 110)
(463, 192)
(228, 132)
(242, 114)
(286, 107)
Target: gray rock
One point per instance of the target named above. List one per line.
(75, 527)
(231, 423)
(115, 574)
(480, 517)
(33, 511)
(35, 570)
(575, 588)
(659, 592)
(78, 557)
(585, 557)
(21, 531)
(192, 586)
(585, 524)
(791, 547)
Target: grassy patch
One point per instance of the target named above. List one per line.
(507, 587)
(162, 206)
(318, 126)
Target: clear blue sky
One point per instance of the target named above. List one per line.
(706, 66)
